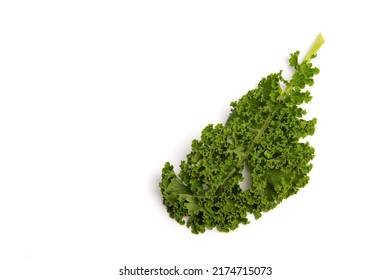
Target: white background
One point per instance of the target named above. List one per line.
(95, 96)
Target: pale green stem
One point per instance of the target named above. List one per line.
(315, 47)
(312, 51)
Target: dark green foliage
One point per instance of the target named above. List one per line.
(263, 133)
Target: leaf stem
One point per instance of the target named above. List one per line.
(314, 48)
(312, 51)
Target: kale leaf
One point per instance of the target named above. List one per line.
(263, 134)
